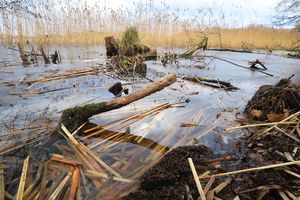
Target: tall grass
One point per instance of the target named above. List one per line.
(75, 23)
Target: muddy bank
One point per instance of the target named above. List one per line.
(172, 177)
(168, 178)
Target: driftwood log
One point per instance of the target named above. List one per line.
(212, 83)
(74, 117)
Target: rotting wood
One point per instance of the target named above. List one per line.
(74, 117)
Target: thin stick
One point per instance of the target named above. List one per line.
(253, 169)
(60, 187)
(257, 125)
(198, 184)
(21, 188)
(208, 185)
(70, 136)
(78, 129)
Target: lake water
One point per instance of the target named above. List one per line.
(22, 116)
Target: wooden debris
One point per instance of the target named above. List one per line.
(74, 117)
(212, 83)
(190, 124)
(62, 159)
(257, 62)
(238, 65)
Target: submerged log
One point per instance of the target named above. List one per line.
(74, 117)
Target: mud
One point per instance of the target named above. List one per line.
(168, 179)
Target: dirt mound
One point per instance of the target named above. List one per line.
(247, 177)
(168, 179)
(274, 103)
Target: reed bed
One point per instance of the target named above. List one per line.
(158, 25)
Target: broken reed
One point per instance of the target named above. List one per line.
(157, 26)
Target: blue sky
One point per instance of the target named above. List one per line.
(236, 12)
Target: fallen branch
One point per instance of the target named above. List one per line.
(241, 66)
(216, 83)
(74, 117)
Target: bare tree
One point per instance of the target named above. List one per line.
(16, 7)
(288, 13)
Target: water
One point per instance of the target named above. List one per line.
(22, 116)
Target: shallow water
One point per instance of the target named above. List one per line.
(152, 136)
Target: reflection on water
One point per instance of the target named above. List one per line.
(130, 146)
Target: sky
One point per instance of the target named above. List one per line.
(236, 12)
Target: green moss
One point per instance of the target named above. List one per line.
(72, 118)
